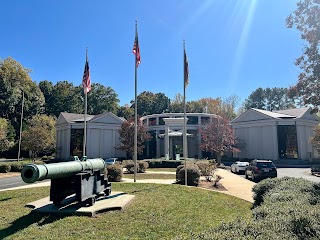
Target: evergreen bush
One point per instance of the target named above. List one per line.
(193, 174)
(114, 172)
(5, 167)
(16, 166)
(142, 166)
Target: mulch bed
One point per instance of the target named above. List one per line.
(209, 185)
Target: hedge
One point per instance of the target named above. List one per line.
(284, 208)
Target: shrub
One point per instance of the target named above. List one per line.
(206, 168)
(193, 174)
(16, 166)
(5, 167)
(129, 165)
(114, 172)
(259, 190)
(142, 166)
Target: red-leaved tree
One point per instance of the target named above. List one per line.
(218, 137)
(126, 132)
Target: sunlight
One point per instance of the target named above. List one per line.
(249, 8)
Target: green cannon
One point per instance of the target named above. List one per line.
(83, 178)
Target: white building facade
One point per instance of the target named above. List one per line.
(102, 135)
(166, 131)
(276, 135)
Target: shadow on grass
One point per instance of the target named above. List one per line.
(26, 221)
(5, 199)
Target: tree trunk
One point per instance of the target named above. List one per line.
(218, 155)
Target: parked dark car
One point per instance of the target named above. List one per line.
(260, 169)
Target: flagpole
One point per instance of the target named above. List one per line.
(85, 115)
(135, 147)
(22, 105)
(185, 145)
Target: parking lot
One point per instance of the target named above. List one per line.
(295, 172)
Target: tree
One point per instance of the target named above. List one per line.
(126, 112)
(270, 99)
(40, 135)
(15, 79)
(150, 103)
(218, 137)
(102, 99)
(65, 98)
(126, 132)
(47, 89)
(176, 105)
(306, 19)
(256, 99)
(5, 141)
(315, 140)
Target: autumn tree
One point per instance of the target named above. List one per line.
(218, 137)
(126, 132)
(306, 19)
(40, 135)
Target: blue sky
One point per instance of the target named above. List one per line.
(233, 46)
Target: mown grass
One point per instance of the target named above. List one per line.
(157, 212)
(141, 176)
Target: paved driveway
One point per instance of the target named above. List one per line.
(298, 173)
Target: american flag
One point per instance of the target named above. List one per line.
(86, 83)
(186, 69)
(136, 49)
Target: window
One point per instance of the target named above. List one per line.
(205, 120)
(192, 120)
(152, 121)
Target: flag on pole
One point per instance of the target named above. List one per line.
(136, 49)
(186, 69)
(86, 83)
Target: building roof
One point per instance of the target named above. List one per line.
(255, 114)
(297, 112)
(274, 114)
(74, 117)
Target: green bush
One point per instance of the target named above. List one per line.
(193, 174)
(286, 208)
(114, 172)
(5, 167)
(16, 166)
(259, 190)
(206, 167)
(129, 165)
(142, 166)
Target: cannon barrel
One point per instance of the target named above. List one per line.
(37, 172)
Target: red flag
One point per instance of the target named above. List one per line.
(86, 83)
(136, 49)
(186, 69)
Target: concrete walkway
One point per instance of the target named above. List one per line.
(236, 185)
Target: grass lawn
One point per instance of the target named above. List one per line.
(157, 212)
(141, 176)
